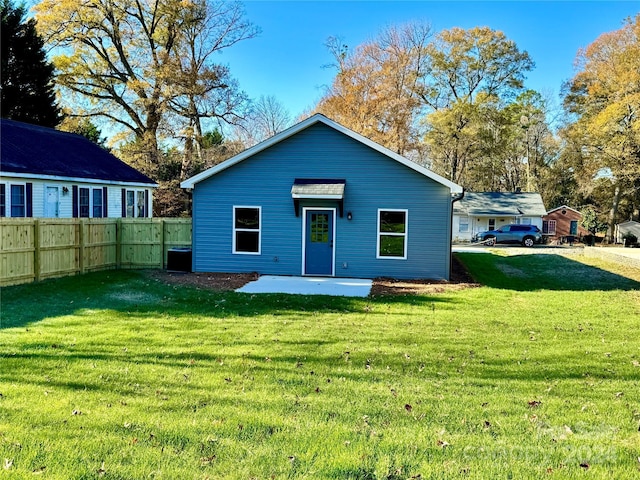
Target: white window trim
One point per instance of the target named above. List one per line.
(555, 226)
(91, 190)
(304, 238)
(136, 191)
(8, 198)
(405, 234)
(465, 223)
(234, 230)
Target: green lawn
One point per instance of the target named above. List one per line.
(534, 375)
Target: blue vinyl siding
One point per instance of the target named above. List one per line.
(373, 181)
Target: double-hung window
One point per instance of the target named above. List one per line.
(90, 202)
(549, 227)
(134, 203)
(84, 202)
(392, 234)
(3, 200)
(18, 201)
(97, 203)
(247, 230)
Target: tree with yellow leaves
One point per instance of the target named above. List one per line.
(142, 64)
(604, 102)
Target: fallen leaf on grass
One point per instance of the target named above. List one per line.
(443, 443)
(76, 412)
(408, 408)
(535, 403)
(8, 463)
(101, 470)
(207, 460)
(585, 466)
(39, 471)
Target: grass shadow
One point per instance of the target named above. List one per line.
(532, 272)
(137, 294)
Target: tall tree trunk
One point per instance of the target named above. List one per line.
(613, 213)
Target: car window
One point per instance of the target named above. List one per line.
(503, 229)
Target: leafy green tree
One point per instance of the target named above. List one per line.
(27, 79)
(84, 127)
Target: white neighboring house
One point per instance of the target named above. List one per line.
(47, 173)
(479, 212)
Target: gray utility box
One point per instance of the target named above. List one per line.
(179, 259)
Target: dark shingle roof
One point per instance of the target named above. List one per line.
(33, 150)
(500, 203)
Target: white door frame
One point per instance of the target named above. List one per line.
(304, 238)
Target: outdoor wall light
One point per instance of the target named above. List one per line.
(349, 216)
(65, 190)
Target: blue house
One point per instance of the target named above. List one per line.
(319, 199)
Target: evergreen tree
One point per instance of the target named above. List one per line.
(27, 78)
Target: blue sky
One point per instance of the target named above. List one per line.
(286, 60)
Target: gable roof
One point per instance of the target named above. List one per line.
(39, 152)
(501, 203)
(565, 207)
(318, 118)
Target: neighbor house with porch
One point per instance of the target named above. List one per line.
(46, 173)
(319, 199)
(479, 212)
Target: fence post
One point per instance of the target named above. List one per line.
(81, 250)
(36, 250)
(119, 243)
(162, 237)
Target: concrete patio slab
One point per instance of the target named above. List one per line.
(340, 287)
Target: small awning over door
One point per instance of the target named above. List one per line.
(319, 189)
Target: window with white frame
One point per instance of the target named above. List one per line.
(3, 200)
(140, 204)
(135, 204)
(464, 224)
(84, 202)
(97, 202)
(392, 234)
(247, 222)
(549, 227)
(90, 201)
(16, 199)
(131, 201)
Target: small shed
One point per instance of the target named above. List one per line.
(630, 227)
(53, 174)
(563, 224)
(319, 199)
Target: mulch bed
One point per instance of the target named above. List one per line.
(460, 280)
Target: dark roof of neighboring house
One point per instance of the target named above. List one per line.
(500, 203)
(33, 150)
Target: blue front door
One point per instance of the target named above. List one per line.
(319, 242)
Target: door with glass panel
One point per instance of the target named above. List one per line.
(318, 242)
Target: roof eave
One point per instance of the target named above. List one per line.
(191, 182)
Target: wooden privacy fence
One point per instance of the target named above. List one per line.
(33, 249)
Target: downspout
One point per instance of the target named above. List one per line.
(456, 197)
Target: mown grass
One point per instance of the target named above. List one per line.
(117, 376)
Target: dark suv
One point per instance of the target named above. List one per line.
(527, 235)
